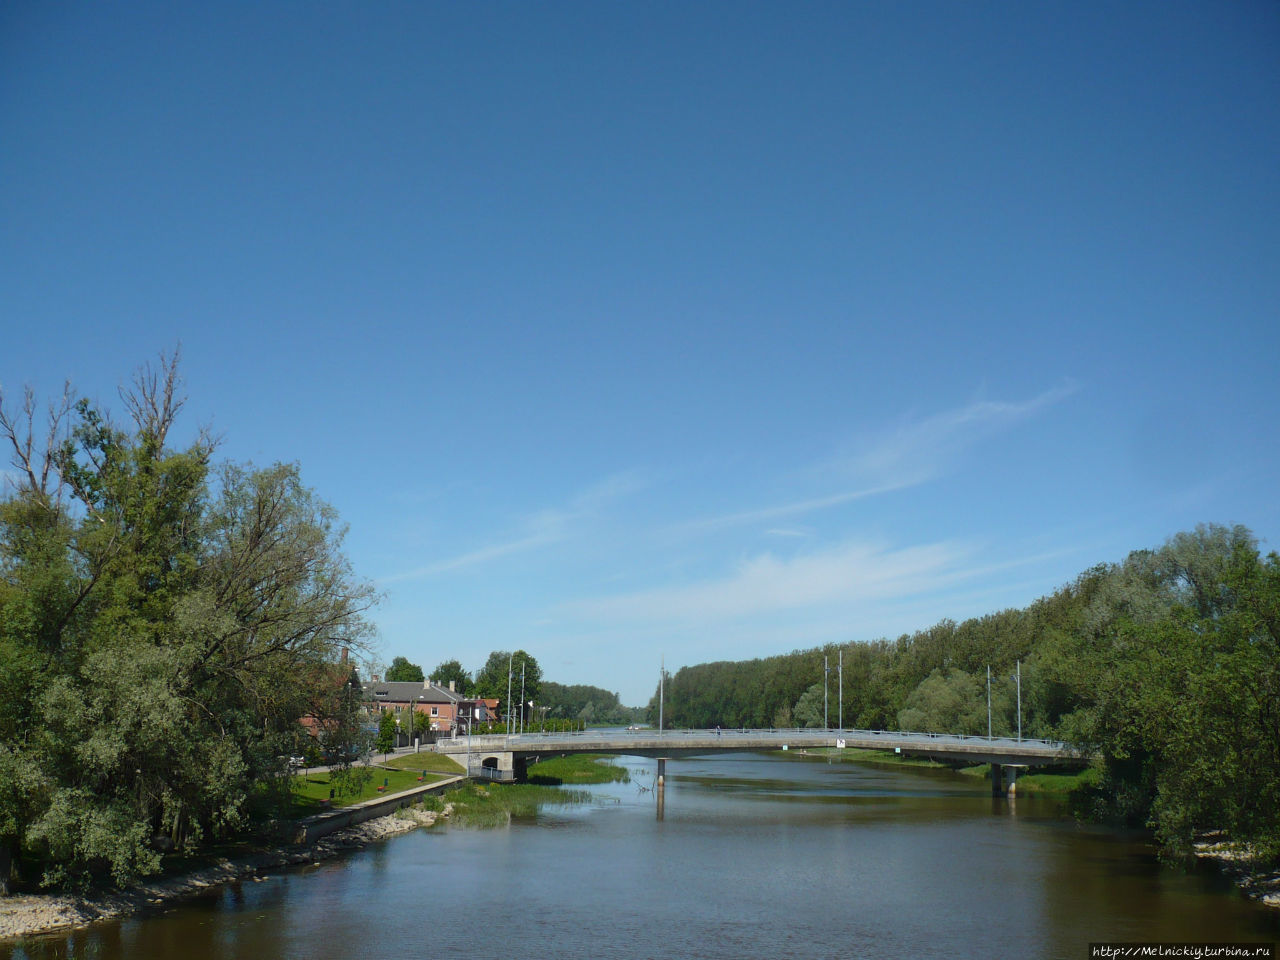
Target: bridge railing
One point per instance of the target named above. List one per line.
(780, 734)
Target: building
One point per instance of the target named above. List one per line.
(448, 711)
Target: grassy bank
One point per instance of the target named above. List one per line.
(496, 804)
(860, 755)
(430, 762)
(578, 768)
(354, 787)
(1055, 781)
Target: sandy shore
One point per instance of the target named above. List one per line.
(25, 915)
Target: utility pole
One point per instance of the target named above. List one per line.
(510, 657)
(826, 672)
(1019, 699)
(988, 701)
(840, 682)
(662, 679)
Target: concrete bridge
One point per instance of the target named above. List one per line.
(500, 757)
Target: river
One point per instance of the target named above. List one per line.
(755, 856)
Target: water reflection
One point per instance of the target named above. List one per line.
(747, 855)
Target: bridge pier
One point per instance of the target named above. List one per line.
(1004, 778)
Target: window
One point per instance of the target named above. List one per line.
(435, 711)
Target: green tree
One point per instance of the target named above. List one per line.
(403, 671)
(946, 702)
(386, 732)
(421, 722)
(491, 679)
(160, 623)
(808, 709)
(452, 670)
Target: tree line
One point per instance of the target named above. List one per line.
(1166, 665)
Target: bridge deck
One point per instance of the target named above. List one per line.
(691, 743)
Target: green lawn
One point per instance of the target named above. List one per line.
(1056, 781)
(861, 755)
(430, 762)
(309, 790)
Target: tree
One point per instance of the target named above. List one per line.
(491, 679)
(946, 702)
(404, 671)
(386, 741)
(808, 710)
(168, 619)
(452, 670)
(421, 722)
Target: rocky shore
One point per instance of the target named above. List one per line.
(26, 915)
(1262, 885)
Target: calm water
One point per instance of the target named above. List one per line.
(755, 857)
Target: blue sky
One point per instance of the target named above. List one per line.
(705, 331)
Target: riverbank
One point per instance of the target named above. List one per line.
(1261, 884)
(29, 915)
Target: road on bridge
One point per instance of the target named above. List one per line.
(690, 743)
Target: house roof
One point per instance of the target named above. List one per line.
(408, 691)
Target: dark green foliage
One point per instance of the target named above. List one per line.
(164, 624)
(401, 670)
(491, 679)
(592, 705)
(386, 733)
(452, 670)
(946, 701)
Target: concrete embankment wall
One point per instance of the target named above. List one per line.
(323, 824)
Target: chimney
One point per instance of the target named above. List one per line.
(344, 655)
(451, 690)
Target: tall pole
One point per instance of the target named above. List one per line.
(988, 701)
(510, 657)
(522, 698)
(826, 672)
(1019, 699)
(662, 679)
(840, 682)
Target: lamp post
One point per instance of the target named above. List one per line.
(510, 658)
(988, 701)
(1019, 677)
(826, 685)
(840, 682)
(662, 679)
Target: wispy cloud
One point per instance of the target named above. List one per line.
(790, 509)
(919, 450)
(846, 575)
(912, 453)
(538, 530)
